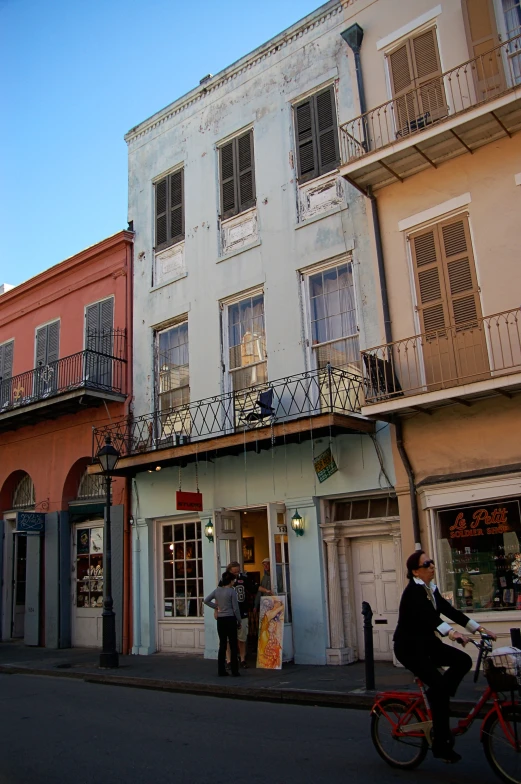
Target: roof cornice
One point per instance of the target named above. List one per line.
(246, 63)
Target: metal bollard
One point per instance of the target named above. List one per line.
(515, 636)
(368, 643)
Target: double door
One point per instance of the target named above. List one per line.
(374, 572)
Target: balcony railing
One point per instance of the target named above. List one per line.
(86, 370)
(470, 84)
(328, 390)
(486, 348)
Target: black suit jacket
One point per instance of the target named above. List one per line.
(418, 619)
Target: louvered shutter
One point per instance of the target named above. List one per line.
(177, 228)
(427, 73)
(161, 214)
(401, 70)
(306, 145)
(246, 172)
(6, 360)
(327, 133)
(229, 198)
(482, 36)
(41, 347)
(53, 342)
(91, 327)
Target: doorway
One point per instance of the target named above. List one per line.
(87, 584)
(19, 585)
(374, 571)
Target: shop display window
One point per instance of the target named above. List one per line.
(89, 567)
(183, 591)
(479, 556)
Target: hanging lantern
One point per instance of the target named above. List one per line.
(297, 523)
(208, 531)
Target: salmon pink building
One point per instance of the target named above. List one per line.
(65, 368)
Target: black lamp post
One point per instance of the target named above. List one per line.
(108, 457)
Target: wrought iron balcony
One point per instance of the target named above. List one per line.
(329, 397)
(91, 375)
(485, 350)
(457, 112)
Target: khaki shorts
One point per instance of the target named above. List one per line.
(242, 633)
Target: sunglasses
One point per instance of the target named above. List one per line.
(426, 564)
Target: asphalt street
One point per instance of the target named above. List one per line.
(54, 729)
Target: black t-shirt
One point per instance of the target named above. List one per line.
(243, 589)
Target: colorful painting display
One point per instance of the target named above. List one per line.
(271, 632)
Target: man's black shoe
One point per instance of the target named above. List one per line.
(446, 754)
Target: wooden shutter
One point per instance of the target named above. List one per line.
(460, 274)
(229, 198)
(402, 83)
(91, 326)
(161, 214)
(177, 227)
(53, 342)
(306, 152)
(6, 360)
(327, 132)
(41, 347)
(482, 36)
(246, 171)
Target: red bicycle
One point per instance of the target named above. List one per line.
(401, 721)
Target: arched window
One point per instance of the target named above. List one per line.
(91, 486)
(23, 496)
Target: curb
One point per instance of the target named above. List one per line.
(323, 699)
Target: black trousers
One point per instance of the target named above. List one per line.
(441, 686)
(227, 631)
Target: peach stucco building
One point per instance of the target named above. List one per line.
(65, 349)
(436, 150)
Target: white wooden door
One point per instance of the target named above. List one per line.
(229, 540)
(374, 573)
(87, 584)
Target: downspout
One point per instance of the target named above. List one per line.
(353, 36)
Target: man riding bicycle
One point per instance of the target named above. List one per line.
(418, 646)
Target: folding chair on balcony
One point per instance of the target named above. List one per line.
(382, 378)
(262, 409)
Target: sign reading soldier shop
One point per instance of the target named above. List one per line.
(466, 522)
(30, 522)
(189, 502)
(325, 465)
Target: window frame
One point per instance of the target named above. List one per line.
(318, 170)
(157, 332)
(161, 525)
(170, 241)
(225, 329)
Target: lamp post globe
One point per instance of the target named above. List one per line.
(108, 457)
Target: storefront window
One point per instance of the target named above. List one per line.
(479, 555)
(89, 567)
(182, 570)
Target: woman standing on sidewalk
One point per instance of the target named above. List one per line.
(228, 621)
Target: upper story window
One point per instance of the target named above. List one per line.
(512, 12)
(418, 94)
(170, 219)
(247, 362)
(316, 129)
(173, 366)
(47, 355)
(99, 341)
(237, 175)
(6, 370)
(334, 323)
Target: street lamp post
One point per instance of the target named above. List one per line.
(108, 457)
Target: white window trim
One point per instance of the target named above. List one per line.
(159, 523)
(223, 306)
(408, 28)
(305, 275)
(177, 322)
(432, 213)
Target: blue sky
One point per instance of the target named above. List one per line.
(75, 75)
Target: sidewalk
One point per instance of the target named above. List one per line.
(295, 683)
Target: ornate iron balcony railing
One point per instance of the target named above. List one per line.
(89, 370)
(329, 390)
(470, 84)
(485, 348)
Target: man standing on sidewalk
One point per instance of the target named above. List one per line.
(243, 589)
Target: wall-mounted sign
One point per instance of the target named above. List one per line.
(30, 522)
(189, 502)
(480, 519)
(325, 465)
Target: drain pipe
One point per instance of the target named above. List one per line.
(353, 36)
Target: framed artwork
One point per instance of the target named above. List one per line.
(248, 549)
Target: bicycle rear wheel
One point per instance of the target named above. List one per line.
(501, 754)
(398, 751)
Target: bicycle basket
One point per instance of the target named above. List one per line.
(503, 669)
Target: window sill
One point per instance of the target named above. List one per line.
(168, 282)
(321, 215)
(239, 250)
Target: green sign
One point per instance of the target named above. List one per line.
(325, 465)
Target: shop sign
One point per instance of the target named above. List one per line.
(189, 502)
(481, 520)
(325, 465)
(30, 522)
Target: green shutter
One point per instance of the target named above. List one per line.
(229, 199)
(176, 207)
(161, 213)
(306, 145)
(246, 171)
(326, 130)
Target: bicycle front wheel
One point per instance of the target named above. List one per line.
(399, 751)
(500, 748)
